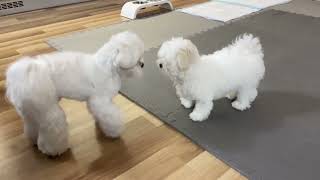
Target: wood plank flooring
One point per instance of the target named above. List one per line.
(147, 149)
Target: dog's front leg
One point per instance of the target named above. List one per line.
(186, 102)
(201, 111)
(107, 115)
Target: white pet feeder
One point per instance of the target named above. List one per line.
(132, 8)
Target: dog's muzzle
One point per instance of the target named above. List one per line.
(160, 65)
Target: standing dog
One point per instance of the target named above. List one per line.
(234, 72)
(36, 84)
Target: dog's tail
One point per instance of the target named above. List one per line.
(251, 48)
(24, 78)
(250, 44)
(17, 80)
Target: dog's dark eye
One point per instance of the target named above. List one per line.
(160, 65)
(141, 64)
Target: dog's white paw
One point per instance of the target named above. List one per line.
(240, 106)
(195, 116)
(186, 103)
(113, 134)
(52, 149)
(113, 131)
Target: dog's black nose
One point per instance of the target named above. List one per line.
(160, 65)
(141, 64)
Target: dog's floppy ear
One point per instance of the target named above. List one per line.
(107, 56)
(187, 56)
(124, 58)
(183, 59)
(114, 56)
(108, 59)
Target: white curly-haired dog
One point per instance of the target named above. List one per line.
(234, 72)
(36, 84)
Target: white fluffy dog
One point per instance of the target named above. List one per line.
(36, 84)
(234, 72)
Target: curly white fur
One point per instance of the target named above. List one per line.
(234, 72)
(36, 84)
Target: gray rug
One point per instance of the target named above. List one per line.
(278, 138)
(152, 30)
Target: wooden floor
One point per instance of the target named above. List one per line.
(148, 149)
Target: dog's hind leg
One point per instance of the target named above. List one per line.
(107, 115)
(30, 127)
(244, 98)
(31, 130)
(53, 130)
